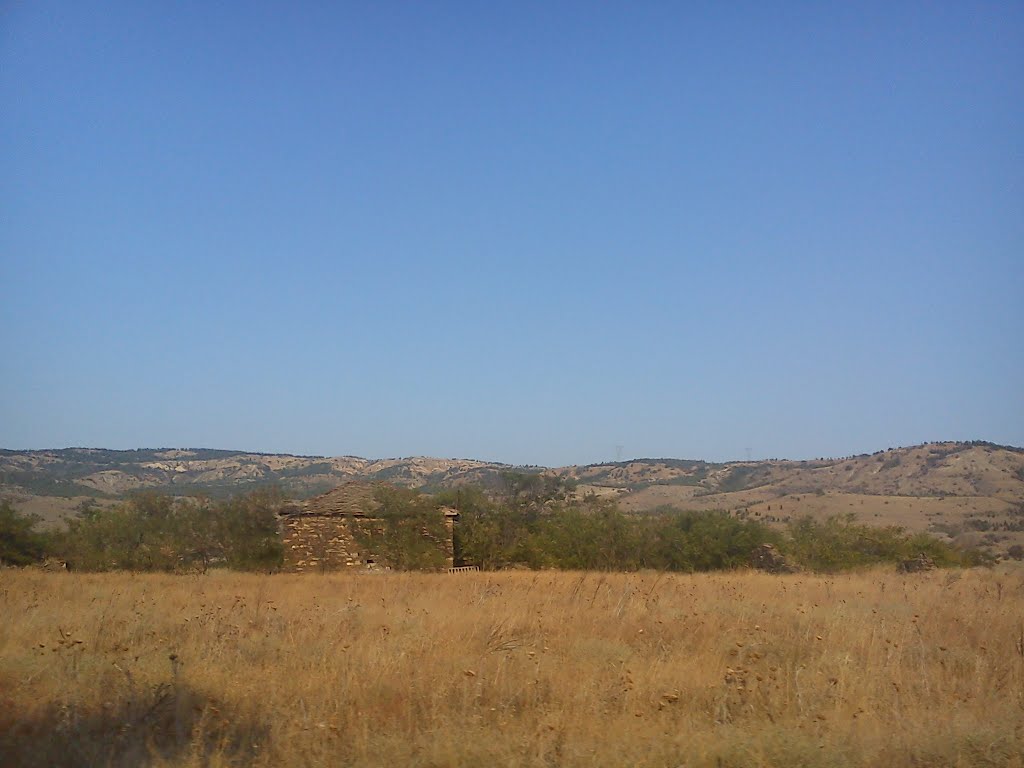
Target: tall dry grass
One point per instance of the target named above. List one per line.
(517, 669)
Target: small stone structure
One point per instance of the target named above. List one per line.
(324, 533)
(767, 558)
(917, 564)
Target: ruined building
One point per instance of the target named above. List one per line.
(343, 529)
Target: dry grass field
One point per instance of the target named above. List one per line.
(512, 669)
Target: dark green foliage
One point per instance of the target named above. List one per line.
(152, 531)
(599, 539)
(535, 520)
(20, 543)
(120, 537)
(840, 544)
(409, 530)
(247, 530)
(591, 534)
(704, 541)
(488, 534)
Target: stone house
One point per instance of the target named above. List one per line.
(335, 530)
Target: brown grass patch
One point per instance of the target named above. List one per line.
(519, 669)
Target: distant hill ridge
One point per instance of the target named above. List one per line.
(102, 472)
(949, 468)
(971, 492)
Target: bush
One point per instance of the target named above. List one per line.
(154, 532)
(409, 531)
(537, 524)
(592, 534)
(704, 541)
(20, 543)
(839, 544)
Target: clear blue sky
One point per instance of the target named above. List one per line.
(528, 232)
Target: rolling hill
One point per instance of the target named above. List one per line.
(972, 492)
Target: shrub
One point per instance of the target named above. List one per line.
(155, 532)
(20, 543)
(409, 530)
(839, 544)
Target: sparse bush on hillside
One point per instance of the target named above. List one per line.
(743, 477)
(949, 529)
(529, 489)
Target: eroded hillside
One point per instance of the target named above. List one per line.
(973, 492)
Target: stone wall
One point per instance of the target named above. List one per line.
(321, 543)
(329, 543)
(448, 544)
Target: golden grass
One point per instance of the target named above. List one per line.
(516, 669)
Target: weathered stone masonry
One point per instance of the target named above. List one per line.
(318, 542)
(324, 533)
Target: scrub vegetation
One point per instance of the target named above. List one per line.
(534, 522)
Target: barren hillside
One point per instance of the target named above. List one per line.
(970, 491)
(97, 472)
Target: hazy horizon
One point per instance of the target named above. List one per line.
(533, 233)
(624, 458)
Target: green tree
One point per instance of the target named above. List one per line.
(20, 543)
(101, 539)
(840, 543)
(410, 532)
(702, 541)
(246, 530)
(157, 532)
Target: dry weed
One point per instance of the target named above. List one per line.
(519, 669)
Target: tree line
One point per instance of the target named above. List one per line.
(531, 521)
(153, 532)
(558, 530)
